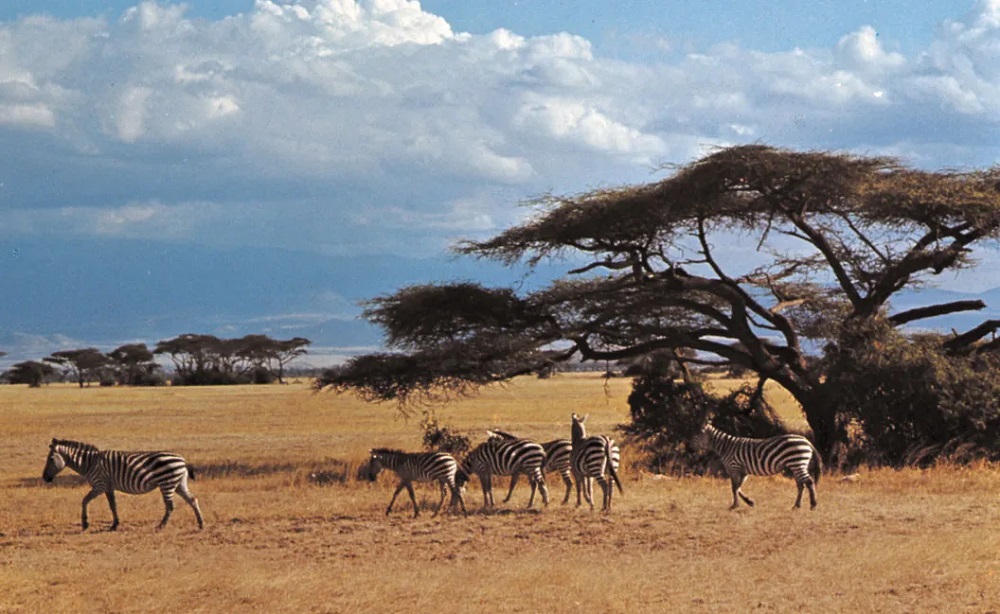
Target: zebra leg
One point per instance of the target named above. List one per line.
(90, 496)
(413, 497)
(168, 504)
(114, 509)
(798, 499)
(457, 494)
(604, 493)
(192, 501)
(399, 489)
(540, 481)
(513, 483)
(545, 492)
(588, 491)
(812, 493)
(444, 493)
(737, 482)
(486, 481)
(579, 487)
(533, 481)
(569, 487)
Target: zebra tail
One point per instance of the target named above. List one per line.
(611, 467)
(190, 471)
(819, 462)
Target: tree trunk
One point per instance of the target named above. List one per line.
(829, 434)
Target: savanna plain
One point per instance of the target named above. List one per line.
(290, 528)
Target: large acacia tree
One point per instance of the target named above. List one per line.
(823, 239)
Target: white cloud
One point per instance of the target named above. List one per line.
(863, 52)
(297, 118)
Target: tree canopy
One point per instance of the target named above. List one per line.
(821, 240)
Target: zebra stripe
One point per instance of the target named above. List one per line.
(417, 467)
(593, 457)
(499, 455)
(134, 473)
(558, 453)
(743, 456)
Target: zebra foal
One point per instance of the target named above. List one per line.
(743, 456)
(134, 473)
(557, 458)
(505, 455)
(417, 467)
(593, 457)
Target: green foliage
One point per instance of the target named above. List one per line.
(913, 401)
(666, 414)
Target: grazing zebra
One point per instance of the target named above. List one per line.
(134, 473)
(557, 457)
(505, 456)
(592, 457)
(417, 467)
(743, 456)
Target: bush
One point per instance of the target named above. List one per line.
(440, 438)
(666, 414)
(913, 401)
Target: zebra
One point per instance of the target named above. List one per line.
(743, 456)
(505, 456)
(417, 467)
(592, 457)
(133, 473)
(557, 457)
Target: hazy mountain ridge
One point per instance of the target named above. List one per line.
(132, 290)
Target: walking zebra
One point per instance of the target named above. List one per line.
(557, 458)
(593, 457)
(134, 473)
(417, 467)
(743, 456)
(505, 456)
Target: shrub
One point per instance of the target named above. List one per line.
(665, 414)
(913, 401)
(441, 438)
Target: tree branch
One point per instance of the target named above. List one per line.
(920, 313)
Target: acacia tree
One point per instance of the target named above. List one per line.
(134, 364)
(30, 372)
(83, 365)
(830, 239)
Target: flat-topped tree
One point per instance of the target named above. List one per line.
(824, 239)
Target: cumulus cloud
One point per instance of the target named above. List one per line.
(303, 119)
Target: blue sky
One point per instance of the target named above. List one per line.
(160, 156)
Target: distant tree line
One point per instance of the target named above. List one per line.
(198, 360)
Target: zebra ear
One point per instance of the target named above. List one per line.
(491, 434)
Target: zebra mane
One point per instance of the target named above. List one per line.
(76, 445)
(497, 433)
(387, 451)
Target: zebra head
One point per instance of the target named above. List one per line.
(374, 465)
(55, 462)
(702, 439)
(578, 430)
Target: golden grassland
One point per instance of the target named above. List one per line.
(279, 540)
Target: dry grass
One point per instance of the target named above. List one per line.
(275, 540)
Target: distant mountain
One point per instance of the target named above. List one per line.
(105, 293)
(109, 292)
